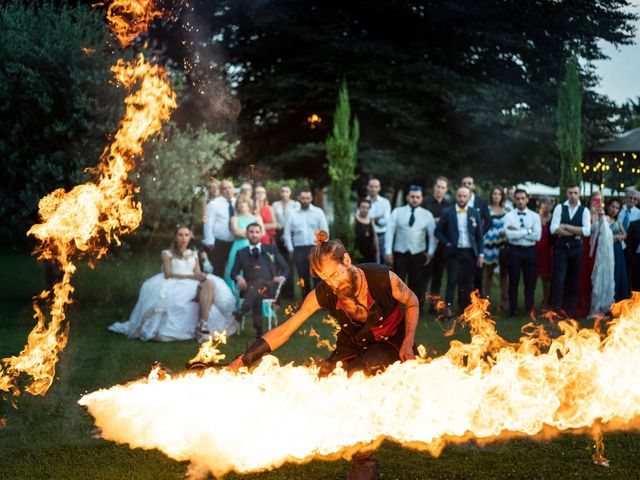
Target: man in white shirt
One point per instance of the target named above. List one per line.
(217, 231)
(379, 212)
(282, 209)
(300, 234)
(410, 242)
(569, 223)
(630, 211)
(523, 229)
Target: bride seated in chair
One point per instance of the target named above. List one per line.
(181, 303)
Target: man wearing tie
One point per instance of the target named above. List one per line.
(523, 229)
(258, 270)
(630, 212)
(460, 231)
(218, 237)
(410, 241)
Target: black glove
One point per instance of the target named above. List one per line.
(255, 352)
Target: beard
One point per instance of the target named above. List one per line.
(348, 288)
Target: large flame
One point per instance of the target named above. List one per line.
(87, 218)
(485, 389)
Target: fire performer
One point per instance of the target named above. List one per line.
(365, 299)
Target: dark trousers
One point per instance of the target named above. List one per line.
(409, 267)
(633, 260)
(380, 259)
(301, 259)
(477, 278)
(461, 269)
(256, 291)
(218, 256)
(567, 263)
(521, 259)
(435, 270)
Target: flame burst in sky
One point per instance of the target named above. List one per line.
(86, 219)
(484, 390)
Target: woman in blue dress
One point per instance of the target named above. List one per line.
(494, 243)
(239, 223)
(620, 269)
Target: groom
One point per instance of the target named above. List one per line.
(258, 269)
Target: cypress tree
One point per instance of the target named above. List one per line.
(569, 133)
(342, 150)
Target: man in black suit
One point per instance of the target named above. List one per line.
(633, 254)
(482, 205)
(460, 231)
(258, 269)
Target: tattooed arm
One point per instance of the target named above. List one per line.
(404, 295)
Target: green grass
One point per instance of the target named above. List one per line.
(51, 437)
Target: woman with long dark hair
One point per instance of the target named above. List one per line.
(181, 303)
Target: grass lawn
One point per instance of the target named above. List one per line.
(52, 437)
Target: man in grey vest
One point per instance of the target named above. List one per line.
(570, 222)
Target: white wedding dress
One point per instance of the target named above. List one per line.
(166, 311)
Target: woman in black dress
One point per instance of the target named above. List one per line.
(366, 241)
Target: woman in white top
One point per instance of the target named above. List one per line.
(181, 303)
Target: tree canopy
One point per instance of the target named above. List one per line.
(439, 87)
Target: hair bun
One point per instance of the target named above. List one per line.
(321, 237)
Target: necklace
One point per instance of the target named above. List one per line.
(355, 297)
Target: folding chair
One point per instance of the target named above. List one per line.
(267, 307)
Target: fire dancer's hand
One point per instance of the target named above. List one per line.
(406, 351)
(236, 364)
(279, 279)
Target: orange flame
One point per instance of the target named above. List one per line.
(209, 352)
(485, 389)
(129, 18)
(87, 218)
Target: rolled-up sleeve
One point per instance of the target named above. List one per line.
(555, 219)
(586, 222)
(208, 225)
(431, 230)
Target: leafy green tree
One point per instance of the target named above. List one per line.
(57, 101)
(175, 173)
(342, 151)
(569, 133)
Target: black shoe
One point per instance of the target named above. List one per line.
(364, 467)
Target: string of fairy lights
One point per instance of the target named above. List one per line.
(616, 170)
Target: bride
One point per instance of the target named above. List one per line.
(181, 303)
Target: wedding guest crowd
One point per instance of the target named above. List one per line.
(587, 256)
(583, 255)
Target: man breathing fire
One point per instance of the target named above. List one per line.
(365, 299)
